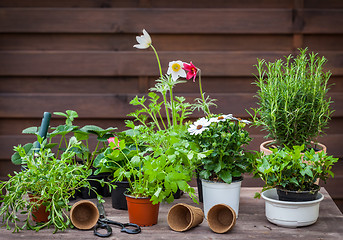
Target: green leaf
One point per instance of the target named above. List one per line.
(30, 130)
(226, 176)
(136, 161)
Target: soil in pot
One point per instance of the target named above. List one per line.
(141, 211)
(297, 196)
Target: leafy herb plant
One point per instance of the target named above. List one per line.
(290, 169)
(155, 166)
(293, 104)
(53, 181)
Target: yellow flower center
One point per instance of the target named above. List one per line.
(199, 127)
(220, 118)
(176, 67)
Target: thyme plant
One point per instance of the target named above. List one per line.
(293, 104)
(52, 181)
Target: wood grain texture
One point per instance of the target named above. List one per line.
(251, 224)
(72, 20)
(100, 63)
(150, 3)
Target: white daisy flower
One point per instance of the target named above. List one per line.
(199, 126)
(221, 118)
(144, 41)
(176, 70)
(244, 121)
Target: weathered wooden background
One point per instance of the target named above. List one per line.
(73, 54)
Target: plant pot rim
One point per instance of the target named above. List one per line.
(264, 149)
(264, 194)
(314, 190)
(234, 181)
(126, 194)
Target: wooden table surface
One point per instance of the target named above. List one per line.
(251, 224)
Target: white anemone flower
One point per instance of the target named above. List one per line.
(221, 118)
(199, 126)
(144, 41)
(176, 70)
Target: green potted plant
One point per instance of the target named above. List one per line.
(293, 104)
(290, 177)
(155, 166)
(111, 160)
(224, 137)
(83, 154)
(158, 138)
(49, 182)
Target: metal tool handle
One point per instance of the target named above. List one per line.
(102, 226)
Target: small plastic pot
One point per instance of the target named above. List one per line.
(297, 196)
(39, 213)
(141, 211)
(118, 197)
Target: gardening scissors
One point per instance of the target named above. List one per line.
(103, 223)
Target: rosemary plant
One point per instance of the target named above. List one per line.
(293, 104)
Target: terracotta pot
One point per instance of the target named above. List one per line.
(265, 148)
(39, 213)
(84, 214)
(141, 211)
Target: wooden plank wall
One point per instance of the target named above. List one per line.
(73, 54)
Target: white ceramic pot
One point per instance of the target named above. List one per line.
(220, 193)
(290, 214)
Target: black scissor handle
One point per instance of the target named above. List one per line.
(102, 226)
(137, 229)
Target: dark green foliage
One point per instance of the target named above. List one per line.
(289, 169)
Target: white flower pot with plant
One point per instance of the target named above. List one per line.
(219, 192)
(291, 184)
(293, 104)
(223, 137)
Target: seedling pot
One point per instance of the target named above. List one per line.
(221, 218)
(118, 197)
(221, 193)
(84, 214)
(141, 211)
(290, 214)
(182, 217)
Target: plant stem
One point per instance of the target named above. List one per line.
(172, 105)
(207, 110)
(161, 75)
